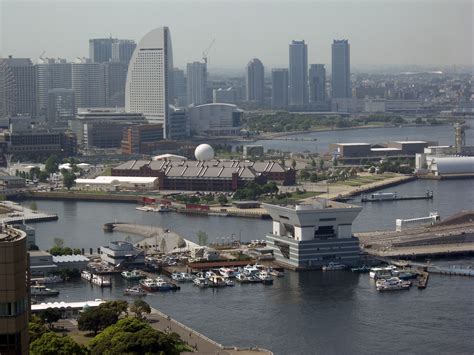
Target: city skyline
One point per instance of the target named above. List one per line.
(367, 25)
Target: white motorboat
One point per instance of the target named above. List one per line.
(42, 290)
(132, 275)
(242, 278)
(229, 282)
(201, 282)
(149, 285)
(216, 281)
(265, 277)
(382, 272)
(134, 291)
(209, 274)
(274, 272)
(392, 284)
(227, 272)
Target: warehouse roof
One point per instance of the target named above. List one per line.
(453, 165)
(117, 179)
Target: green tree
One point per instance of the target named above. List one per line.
(293, 163)
(139, 307)
(163, 245)
(58, 242)
(36, 328)
(222, 199)
(68, 179)
(202, 238)
(51, 164)
(321, 164)
(304, 175)
(43, 176)
(52, 344)
(33, 206)
(133, 336)
(50, 316)
(97, 318)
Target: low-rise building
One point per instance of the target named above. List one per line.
(41, 263)
(216, 119)
(306, 236)
(71, 262)
(117, 183)
(253, 151)
(11, 182)
(137, 139)
(121, 253)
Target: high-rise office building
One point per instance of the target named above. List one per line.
(298, 74)
(149, 85)
(196, 81)
(122, 50)
(179, 91)
(88, 83)
(254, 81)
(317, 83)
(279, 87)
(52, 74)
(115, 79)
(14, 295)
(100, 49)
(61, 106)
(18, 91)
(341, 69)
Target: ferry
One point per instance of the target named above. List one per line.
(42, 290)
(333, 266)
(134, 291)
(132, 275)
(392, 284)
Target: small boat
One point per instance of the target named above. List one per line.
(227, 272)
(132, 275)
(242, 278)
(381, 272)
(86, 275)
(148, 285)
(101, 281)
(181, 277)
(162, 285)
(265, 277)
(334, 266)
(217, 281)
(144, 208)
(254, 279)
(392, 284)
(251, 269)
(229, 282)
(42, 290)
(162, 208)
(134, 291)
(201, 282)
(209, 274)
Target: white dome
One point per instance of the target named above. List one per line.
(204, 152)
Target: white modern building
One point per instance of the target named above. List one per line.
(149, 83)
(117, 183)
(215, 119)
(121, 253)
(309, 236)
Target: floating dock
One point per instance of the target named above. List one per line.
(392, 196)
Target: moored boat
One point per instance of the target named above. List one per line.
(265, 277)
(216, 281)
(42, 290)
(86, 275)
(101, 281)
(149, 285)
(361, 269)
(333, 267)
(134, 291)
(201, 281)
(132, 275)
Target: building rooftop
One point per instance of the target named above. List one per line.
(117, 179)
(411, 142)
(351, 144)
(385, 149)
(69, 258)
(66, 305)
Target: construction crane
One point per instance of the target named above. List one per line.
(206, 51)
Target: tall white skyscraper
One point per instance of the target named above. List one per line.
(149, 83)
(196, 80)
(254, 81)
(341, 69)
(298, 74)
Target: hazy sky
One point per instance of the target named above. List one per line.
(379, 31)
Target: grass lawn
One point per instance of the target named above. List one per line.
(363, 180)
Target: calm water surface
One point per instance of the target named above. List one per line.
(302, 313)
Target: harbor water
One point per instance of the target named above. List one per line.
(302, 313)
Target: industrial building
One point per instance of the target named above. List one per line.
(214, 175)
(14, 295)
(307, 236)
(450, 167)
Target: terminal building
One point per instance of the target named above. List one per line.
(122, 254)
(309, 236)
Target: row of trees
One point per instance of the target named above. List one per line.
(332, 175)
(59, 248)
(253, 191)
(120, 333)
(207, 198)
